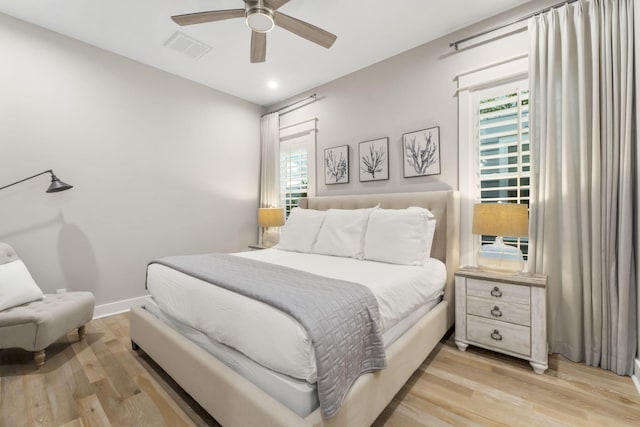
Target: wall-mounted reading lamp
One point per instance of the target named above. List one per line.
(55, 186)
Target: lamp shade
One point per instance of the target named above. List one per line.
(57, 185)
(501, 219)
(271, 217)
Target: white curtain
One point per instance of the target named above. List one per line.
(269, 162)
(583, 213)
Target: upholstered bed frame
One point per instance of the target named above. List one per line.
(234, 401)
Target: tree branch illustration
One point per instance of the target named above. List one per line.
(373, 161)
(419, 157)
(336, 167)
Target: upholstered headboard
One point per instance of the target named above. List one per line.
(445, 205)
(7, 254)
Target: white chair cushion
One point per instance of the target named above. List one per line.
(17, 287)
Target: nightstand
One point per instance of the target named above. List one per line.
(506, 313)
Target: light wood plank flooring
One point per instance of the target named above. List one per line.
(102, 382)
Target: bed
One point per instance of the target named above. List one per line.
(235, 401)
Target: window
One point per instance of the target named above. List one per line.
(294, 176)
(503, 149)
(297, 163)
(493, 143)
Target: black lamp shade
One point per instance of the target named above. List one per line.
(57, 185)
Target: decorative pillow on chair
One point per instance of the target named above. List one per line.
(399, 236)
(17, 287)
(342, 233)
(301, 230)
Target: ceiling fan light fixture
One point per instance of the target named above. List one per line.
(259, 19)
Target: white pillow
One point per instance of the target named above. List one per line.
(16, 285)
(399, 236)
(301, 230)
(342, 233)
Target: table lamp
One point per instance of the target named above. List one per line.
(500, 219)
(267, 218)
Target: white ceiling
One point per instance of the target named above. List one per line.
(368, 32)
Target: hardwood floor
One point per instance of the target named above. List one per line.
(482, 388)
(100, 381)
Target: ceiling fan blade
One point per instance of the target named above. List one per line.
(276, 4)
(202, 17)
(258, 47)
(305, 30)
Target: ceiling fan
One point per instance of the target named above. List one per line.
(261, 17)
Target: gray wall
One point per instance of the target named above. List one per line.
(160, 165)
(408, 92)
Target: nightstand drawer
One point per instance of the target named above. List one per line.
(499, 335)
(496, 291)
(500, 310)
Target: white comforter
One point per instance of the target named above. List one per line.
(267, 335)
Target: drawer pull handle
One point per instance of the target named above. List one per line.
(496, 335)
(496, 312)
(496, 292)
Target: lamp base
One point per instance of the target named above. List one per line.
(269, 237)
(500, 258)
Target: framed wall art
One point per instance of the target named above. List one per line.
(373, 158)
(336, 165)
(421, 152)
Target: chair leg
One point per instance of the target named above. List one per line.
(81, 331)
(39, 358)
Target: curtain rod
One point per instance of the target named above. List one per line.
(524, 18)
(314, 96)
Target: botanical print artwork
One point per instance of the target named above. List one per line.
(336, 165)
(374, 160)
(421, 150)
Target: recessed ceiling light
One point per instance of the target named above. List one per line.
(272, 84)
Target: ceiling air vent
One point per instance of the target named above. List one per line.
(189, 46)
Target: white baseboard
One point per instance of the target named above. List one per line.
(636, 375)
(111, 308)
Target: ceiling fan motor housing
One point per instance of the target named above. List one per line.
(258, 16)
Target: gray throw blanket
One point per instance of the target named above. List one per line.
(341, 318)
